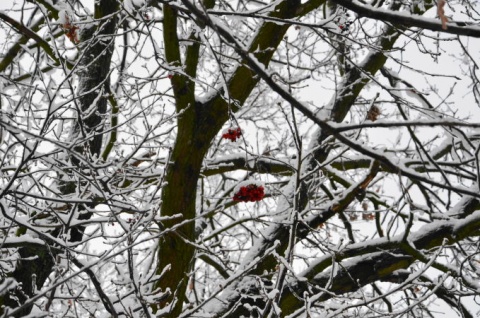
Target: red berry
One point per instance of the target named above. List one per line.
(232, 134)
(250, 193)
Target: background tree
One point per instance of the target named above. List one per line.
(226, 158)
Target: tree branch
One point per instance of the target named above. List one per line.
(405, 19)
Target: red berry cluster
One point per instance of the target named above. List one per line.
(232, 134)
(70, 30)
(250, 193)
(342, 21)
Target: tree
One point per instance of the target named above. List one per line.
(218, 159)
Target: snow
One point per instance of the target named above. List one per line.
(29, 238)
(232, 287)
(239, 252)
(7, 284)
(64, 15)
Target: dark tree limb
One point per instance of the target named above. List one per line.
(457, 28)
